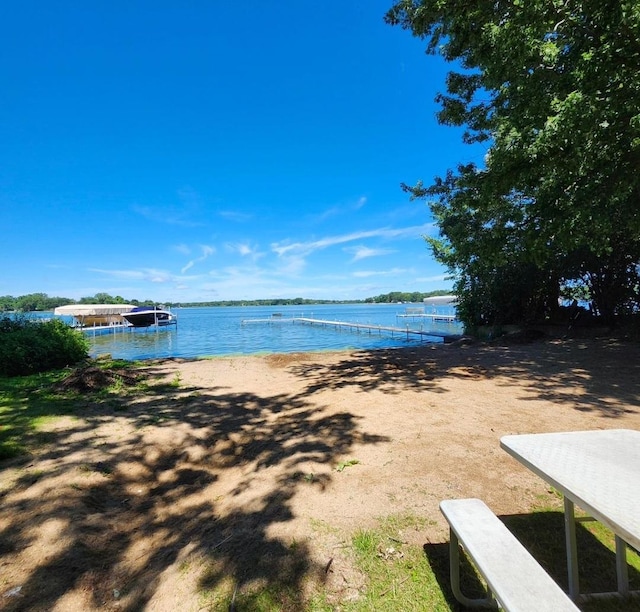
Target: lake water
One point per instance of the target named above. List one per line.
(203, 332)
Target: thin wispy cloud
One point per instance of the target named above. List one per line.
(340, 209)
(206, 252)
(248, 282)
(291, 265)
(244, 249)
(369, 273)
(166, 215)
(244, 281)
(144, 274)
(123, 274)
(306, 248)
(161, 277)
(363, 252)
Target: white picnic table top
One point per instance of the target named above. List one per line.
(598, 470)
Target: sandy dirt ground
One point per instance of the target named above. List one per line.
(237, 469)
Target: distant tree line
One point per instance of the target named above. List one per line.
(400, 296)
(266, 302)
(38, 302)
(41, 302)
(31, 302)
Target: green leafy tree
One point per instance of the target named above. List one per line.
(7, 302)
(98, 298)
(553, 88)
(32, 302)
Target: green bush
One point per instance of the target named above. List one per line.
(29, 346)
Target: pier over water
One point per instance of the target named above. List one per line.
(408, 332)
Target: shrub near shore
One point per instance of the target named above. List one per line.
(30, 346)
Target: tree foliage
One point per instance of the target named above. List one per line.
(28, 346)
(553, 88)
(31, 302)
(402, 296)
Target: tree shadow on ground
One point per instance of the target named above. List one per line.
(196, 477)
(600, 376)
(542, 534)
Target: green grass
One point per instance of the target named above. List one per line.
(345, 464)
(399, 576)
(402, 576)
(28, 403)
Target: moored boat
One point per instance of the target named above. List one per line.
(146, 316)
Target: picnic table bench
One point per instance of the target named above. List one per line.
(515, 580)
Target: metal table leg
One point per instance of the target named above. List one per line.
(622, 567)
(572, 549)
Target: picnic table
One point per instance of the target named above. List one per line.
(599, 471)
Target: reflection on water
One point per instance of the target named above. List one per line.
(234, 331)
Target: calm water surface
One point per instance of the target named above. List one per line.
(203, 332)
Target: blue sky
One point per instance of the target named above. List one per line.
(196, 151)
